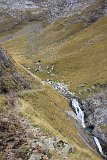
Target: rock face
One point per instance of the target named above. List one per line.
(64, 8)
(10, 79)
(95, 109)
(15, 12)
(48, 9)
(92, 113)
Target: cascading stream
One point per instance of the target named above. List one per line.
(99, 146)
(70, 96)
(79, 113)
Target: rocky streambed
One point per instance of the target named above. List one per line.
(90, 113)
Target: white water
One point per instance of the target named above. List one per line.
(62, 88)
(99, 146)
(79, 112)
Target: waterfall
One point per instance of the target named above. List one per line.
(62, 88)
(99, 146)
(79, 112)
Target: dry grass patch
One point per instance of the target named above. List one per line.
(3, 105)
(46, 109)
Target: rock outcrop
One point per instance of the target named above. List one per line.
(95, 109)
(10, 79)
(20, 140)
(17, 11)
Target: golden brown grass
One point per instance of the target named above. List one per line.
(46, 109)
(3, 105)
(79, 56)
(79, 59)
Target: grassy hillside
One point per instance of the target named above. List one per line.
(73, 51)
(43, 107)
(77, 51)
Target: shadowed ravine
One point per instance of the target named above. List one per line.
(44, 45)
(75, 104)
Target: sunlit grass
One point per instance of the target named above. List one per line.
(46, 109)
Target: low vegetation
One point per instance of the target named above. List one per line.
(77, 55)
(46, 109)
(3, 105)
(77, 51)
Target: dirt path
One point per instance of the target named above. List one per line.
(17, 133)
(32, 75)
(20, 140)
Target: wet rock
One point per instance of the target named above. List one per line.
(71, 114)
(95, 109)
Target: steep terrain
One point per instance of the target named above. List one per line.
(13, 13)
(43, 107)
(10, 79)
(47, 42)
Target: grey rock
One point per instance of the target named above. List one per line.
(95, 109)
(49, 144)
(35, 156)
(66, 150)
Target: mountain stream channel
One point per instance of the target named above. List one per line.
(74, 102)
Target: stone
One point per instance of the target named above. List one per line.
(95, 109)
(66, 149)
(35, 156)
(49, 144)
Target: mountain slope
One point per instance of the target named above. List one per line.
(15, 13)
(67, 45)
(53, 52)
(42, 107)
